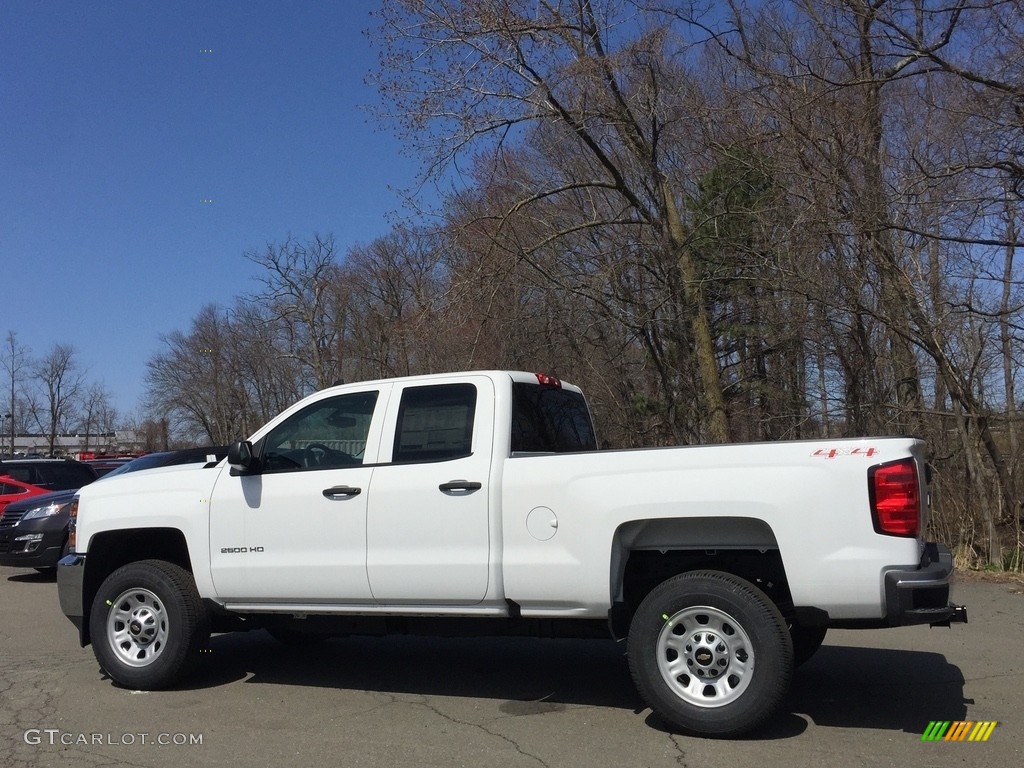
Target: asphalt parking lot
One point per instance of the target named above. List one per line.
(864, 700)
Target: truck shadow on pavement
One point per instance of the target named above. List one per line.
(552, 674)
(841, 687)
(879, 688)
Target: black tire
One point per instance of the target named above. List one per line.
(148, 624)
(710, 654)
(806, 642)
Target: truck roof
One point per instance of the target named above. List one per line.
(524, 377)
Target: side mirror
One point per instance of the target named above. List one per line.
(240, 457)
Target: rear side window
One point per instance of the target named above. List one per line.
(550, 420)
(64, 477)
(435, 423)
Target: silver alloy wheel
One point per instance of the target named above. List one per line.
(705, 657)
(137, 627)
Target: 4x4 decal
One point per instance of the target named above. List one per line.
(831, 453)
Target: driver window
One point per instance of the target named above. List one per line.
(327, 435)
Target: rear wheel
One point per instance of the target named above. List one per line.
(148, 624)
(710, 653)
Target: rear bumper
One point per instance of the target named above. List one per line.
(921, 595)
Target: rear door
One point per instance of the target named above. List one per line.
(427, 523)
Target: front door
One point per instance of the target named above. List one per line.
(295, 532)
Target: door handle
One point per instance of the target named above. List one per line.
(340, 491)
(460, 485)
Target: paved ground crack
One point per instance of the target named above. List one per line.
(680, 753)
(479, 726)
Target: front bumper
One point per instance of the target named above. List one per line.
(31, 553)
(33, 543)
(921, 595)
(70, 588)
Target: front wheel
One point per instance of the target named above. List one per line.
(148, 624)
(710, 653)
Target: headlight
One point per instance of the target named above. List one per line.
(47, 510)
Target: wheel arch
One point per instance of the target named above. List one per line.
(647, 552)
(110, 550)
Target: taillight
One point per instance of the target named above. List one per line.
(895, 498)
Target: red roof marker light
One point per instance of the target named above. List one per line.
(546, 380)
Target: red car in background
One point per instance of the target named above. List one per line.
(15, 490)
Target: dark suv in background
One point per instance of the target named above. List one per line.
(34, 532)
(52, 474)
(62, 476)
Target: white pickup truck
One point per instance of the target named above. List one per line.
(479, 503)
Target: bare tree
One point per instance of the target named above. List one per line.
(262, 364)
(60, 382)
(471, 76)
(193, 385)
(882, 116)
(297, 280)
(393, 292)
(15, 361)
(228, 374)
(96, 414)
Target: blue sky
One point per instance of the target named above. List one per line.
(119, 119)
